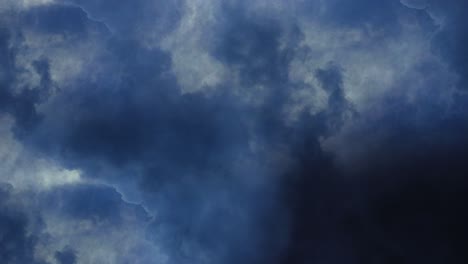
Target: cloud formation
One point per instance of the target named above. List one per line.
(232, 131)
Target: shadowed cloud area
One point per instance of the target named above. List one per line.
(223, 132)
(17, 245)
(67, 256)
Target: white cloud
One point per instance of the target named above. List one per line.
(193, 65)
(23, 4)
(25, 171)
(373, 64)
(68, 59)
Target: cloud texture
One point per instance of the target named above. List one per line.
(221, 132)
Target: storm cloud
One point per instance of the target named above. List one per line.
(233, 131)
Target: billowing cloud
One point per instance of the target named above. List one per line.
(232, 131)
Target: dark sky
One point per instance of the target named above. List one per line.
(233, 131)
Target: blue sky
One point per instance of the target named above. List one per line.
(222, 131)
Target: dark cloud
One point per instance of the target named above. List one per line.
(402, 202)
(175, 146)
(66, 256)
(451, 39)
(17, 245)
(19, 99)
(58, 19)
(398, 198)
(92, 202)
(252, 46)
(31, 226)
(378, 20)
(19, 105)
(228, 181)
(137, 18)
(414, 192)
(178, 148)
(381, 15)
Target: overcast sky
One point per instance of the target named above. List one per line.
(233, 131)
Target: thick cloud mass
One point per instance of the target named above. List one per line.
(17, 244)
(209, 131)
